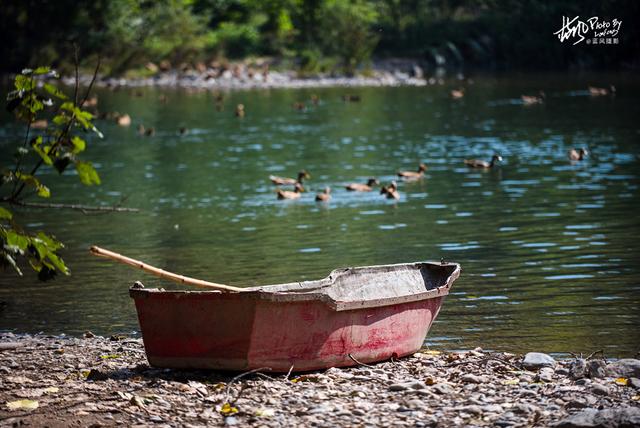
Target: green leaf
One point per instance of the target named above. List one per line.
(54, 91)
(5, 214)
(68, 106)
(58, 263)
(24, 83)
(36, 251)
(42, 190)
(78, 144)
(35, 143)
(49, 241)
(44, 249)
(42, 70)
(17, 240)
(88, 174)
(60, 119)
(84, 118)
(85, 114)
(35, 104)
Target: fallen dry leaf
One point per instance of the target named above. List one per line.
(22, 404)
(137, 401)
(227, 409)
(622, 381)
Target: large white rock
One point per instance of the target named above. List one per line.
(537, 360)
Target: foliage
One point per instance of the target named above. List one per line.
(348, 31)
(138, 30)
(130, 33)
(55, 146)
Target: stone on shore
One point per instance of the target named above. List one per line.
(623, 417)
(99, 381)
(537, 360)
(627, 367)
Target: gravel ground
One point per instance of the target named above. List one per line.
(96, 381)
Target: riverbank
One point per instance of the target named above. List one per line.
(95, 381)
(242, 75)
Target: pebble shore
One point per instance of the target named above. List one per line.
(97, 381)
(240, 76)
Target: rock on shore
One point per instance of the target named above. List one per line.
(96, 381)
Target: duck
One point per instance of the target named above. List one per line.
(595, 91)
(325, 195)
(140, 129)
(299, 106)
(286, 180)
(123, 120)
(529, 100)
(359, 187)
(240, 110)
(109, 115)
(183, 131)
(456, 94)
(351, 98)
(150, 132)
(391, 191)
(90, 102)
(287, 194)
(413, 175)
(577, 154)
(314, 99)
(39, 124)
(478, 163)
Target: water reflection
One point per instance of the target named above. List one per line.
(548, 248)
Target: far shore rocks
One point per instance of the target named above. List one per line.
(97, 381)
(391, 72)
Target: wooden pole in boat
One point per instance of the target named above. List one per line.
(101, 252)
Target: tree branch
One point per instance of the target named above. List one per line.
(65, 132)
(73, 206)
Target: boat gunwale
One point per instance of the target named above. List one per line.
(306, 289)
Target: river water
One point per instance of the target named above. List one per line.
(549, 249)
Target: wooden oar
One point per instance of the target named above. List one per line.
(101, 252)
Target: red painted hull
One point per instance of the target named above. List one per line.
(280, 329)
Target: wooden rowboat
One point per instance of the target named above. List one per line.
(355, 315)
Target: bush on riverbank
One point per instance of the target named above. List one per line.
(312, 35)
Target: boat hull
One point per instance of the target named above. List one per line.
(275, 331)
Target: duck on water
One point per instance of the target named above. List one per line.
(278, 181)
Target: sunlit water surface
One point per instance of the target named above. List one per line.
(549, 249)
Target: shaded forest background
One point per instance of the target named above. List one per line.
(310, 35)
